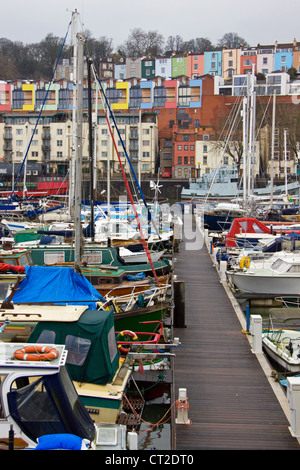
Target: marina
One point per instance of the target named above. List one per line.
(232, 404)
(132, 326)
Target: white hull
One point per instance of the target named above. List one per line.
(139, 257)
(266, 284)
(279, 353)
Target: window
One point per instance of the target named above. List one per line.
(19, 131)
(59, 154)
(265, 60)
(186, 147)
(186, 160)
(59, 143)
(179, 160)
(179, 147)
(19, 142)
(59, 131)
(78, 349)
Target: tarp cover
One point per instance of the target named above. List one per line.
(244, 225)
(93, 355)
(54, 284)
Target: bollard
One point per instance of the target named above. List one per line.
(182, 408)
(223, 269)
(256, 331)
(132, 440)
(293, 397)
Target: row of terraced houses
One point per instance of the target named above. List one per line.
(168, 114)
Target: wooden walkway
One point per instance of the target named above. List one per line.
(231, 403)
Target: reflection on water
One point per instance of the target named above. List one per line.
(157, 437)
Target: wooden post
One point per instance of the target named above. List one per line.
(179, 307)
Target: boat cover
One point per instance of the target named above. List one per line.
(244, 225)
(55, 284)
(290, 241)
(93, 356)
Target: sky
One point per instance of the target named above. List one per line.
(256, 21)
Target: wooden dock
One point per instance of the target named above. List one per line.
(232, 405)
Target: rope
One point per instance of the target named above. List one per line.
(145, 246)
(128, 159)
(153, 425)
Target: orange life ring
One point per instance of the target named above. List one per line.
(132, 335)
(36, 353)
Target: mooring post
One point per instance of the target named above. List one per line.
(179, 304)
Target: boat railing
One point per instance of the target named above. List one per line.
(132, 299)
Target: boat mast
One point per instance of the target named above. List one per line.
(89, 64)
(72, 162)
(272, 150)
(78, 153)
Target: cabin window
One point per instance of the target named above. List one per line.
(92, 257)
(53, 258)
(46, 336)
(112, 345)
(23, 260)
(78, 349)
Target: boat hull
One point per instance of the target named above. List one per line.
(279, 355)
(264, 284)
(132, 320)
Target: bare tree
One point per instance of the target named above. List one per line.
(232, 41)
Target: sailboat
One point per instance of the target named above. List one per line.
(224, 182)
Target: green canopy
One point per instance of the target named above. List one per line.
(93, 355)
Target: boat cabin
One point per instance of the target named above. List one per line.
(41, 415)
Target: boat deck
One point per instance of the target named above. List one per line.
(232, 405)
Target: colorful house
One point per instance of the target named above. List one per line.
(213, 63)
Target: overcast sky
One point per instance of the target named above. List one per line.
(256, 21)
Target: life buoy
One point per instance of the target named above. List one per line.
(245, 262)
(120, 336)
(36, 353)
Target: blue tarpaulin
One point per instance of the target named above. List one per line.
(59, 285)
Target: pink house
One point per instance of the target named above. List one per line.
(195, 65)
(5, 97)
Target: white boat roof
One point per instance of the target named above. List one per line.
(37, 313)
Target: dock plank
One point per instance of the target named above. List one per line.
(231, 403)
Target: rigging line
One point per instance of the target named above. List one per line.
(223, 153)
(132, 201)
(128, 159)
(39, 116)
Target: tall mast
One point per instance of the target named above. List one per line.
(272, 150)
(72, 162)
(78, 153)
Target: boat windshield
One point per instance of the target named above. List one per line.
(282, 266)
(49, 405)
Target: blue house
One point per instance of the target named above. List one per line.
(213, 63)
